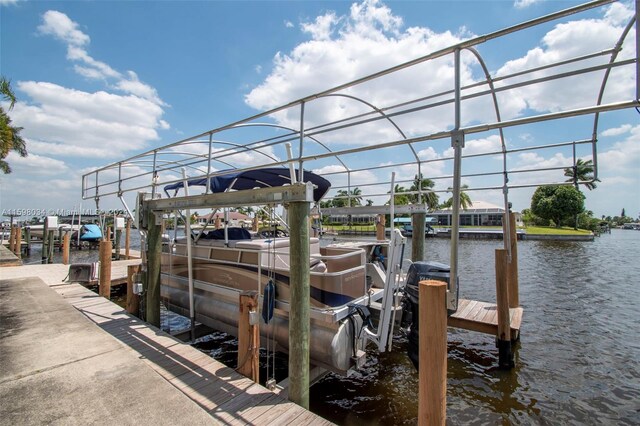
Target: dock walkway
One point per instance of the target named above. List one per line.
(70, 356)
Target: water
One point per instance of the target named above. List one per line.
(578, 361)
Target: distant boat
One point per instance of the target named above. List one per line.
(90, 232)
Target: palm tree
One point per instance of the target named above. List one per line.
(351, 198)
(400, 198)
(429, 197)
(465, 200)
(581, 172)
(10, 139)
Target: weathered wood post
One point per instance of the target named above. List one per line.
(154, 257)
(105, 269)
(417, 237)
(503, 340)
(380, 224)
(45, 241)
(248, 336)
(117, 243)
(299, 319)
(133, 300)
(127, 239)
(512, 280)
(12, 239)
(254, 224)
(432, 402)
(218, 223)
(27, 237)
(60, 239)
(66, 242)
(51, 245)
(19, 241)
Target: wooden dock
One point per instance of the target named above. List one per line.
(225, 395)
(483, 317)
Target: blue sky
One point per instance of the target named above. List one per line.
(101, 81)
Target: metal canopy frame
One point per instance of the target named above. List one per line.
(259, 141)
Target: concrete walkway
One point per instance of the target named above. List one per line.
(59, 368)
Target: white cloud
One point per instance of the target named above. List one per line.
(617, 131)
(523, 4)
(568, 40)
(36, 165)
(344, 48)
(288, 24)
(61, 27)
(93, 122)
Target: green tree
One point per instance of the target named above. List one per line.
(400, 198)
(582, 172)
(623, 213)
(465, 200)
(429, 197)
(10, 139)
(557, 203)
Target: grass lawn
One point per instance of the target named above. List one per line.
(545, 230)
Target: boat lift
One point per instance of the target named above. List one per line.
(331, 147)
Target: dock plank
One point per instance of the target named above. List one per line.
(482, 317)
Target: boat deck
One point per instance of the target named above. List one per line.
(483, 317)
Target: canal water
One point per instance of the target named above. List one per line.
(578, 361)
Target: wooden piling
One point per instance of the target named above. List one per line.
(66, 242)
(218, 223)
(299, 319)
(105, 269)
(12, 239)
(51, 245)
(417, 237)
(380, 228)
(60, 239)
(133, 300)
(432, 402)
(254, 224)
(248, 337)
(127, 239)
(45, 242)
(27, 238)
(19, 242)
(117, 243)
(503, 340)
(154, 254)
(512, 271)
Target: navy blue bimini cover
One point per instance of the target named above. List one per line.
(259, 178)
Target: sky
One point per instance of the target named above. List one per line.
(100, 81)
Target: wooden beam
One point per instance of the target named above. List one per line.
(248, 337)
(505, 356)
(133, 300)
(252, 197)
(66, 242)
(380, 228)
(299, 319)
(512, 269)
(127, 239)
(417, 237)
(432, 395)
(105, 269)
(152, 281)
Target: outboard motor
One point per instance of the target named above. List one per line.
(420, 271)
